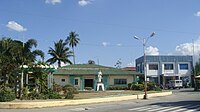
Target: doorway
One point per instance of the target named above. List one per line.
(89, 83)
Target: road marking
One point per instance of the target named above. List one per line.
(158, 108)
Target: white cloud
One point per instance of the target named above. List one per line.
(197, 14)
(84, 2)
(131, 64)
(15, 26)
(53, 2)
(119, 45)
(105, 44)
(187, 48)
(152, 51)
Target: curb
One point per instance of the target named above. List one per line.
(42, 104)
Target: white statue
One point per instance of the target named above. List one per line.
(99, 76)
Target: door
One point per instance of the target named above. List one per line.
(89, 83)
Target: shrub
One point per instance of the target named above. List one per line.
(53, 95)
(6, 96)
(88, 88)
(57, 88)
(137, 87)
(151, 86)
(69, 95)
(69, 88)
(117, 87)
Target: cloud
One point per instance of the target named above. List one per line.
(197, 14)
(105, 44)
(53, 2)
(131, 64)
(15, 26)
(84, 2)
(119, 45)
(152, 51)
(187, 48)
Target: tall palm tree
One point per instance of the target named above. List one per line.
(73, 40)
(60, 53)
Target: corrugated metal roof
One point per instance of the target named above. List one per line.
(91, 69)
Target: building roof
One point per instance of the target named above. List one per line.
(91, 69)
(129, 68)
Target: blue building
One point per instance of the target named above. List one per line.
(162, 68)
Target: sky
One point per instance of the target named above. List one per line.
(106, 28)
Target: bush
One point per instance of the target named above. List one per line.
(6, 96)
(137, 87)
(69, 88)
(88, 88)
(53, 95)
(117, 88)
(69, 95)
(151, 86)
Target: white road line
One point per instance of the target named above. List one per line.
(193, 110)
(181, 110)
(144, 108)
(173, 108)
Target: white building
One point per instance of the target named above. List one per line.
(161, 69)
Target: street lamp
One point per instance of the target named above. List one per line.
(144, 42)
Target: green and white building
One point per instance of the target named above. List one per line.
(85, 75)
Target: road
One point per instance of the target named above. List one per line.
(184, 100)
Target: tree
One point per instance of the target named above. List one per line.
(13, 54)
(60, 53)
(118, 63)
(92, 62)
(73, 40)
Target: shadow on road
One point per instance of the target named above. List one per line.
(183, 104)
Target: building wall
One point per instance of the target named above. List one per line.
(129, 78)
(161, 61)
(58, 80)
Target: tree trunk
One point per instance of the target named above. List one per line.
(73, 55)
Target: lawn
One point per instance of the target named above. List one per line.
(101, 94)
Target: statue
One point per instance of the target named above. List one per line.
(100, 85)
(100, 76)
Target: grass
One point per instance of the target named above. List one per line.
(102, 94)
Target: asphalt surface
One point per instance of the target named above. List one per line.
(183, 100)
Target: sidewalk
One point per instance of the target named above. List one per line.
(54, 103)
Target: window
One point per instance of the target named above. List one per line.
(168, 66)
(62, 80)
(183, 66)
(120, 81)
(153, 66)
(75, 81)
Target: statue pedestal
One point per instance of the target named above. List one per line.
(100, 86)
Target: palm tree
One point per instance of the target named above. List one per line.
(72, 40)
(60, 53)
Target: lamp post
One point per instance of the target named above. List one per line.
(144, 42)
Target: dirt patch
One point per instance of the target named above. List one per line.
(101, 94)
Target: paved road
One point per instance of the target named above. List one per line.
(184, 100)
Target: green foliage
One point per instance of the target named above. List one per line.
(6, 96)
(60, 53)
(69, 95)
(53, 95)
(57, 88)
(69, 88)
(117, 88)
(151, 86)
(88, 88)
(25, 93)
(137, 87)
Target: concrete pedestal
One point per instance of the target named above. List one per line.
(100, 87)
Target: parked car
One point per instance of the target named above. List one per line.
(175, 84)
